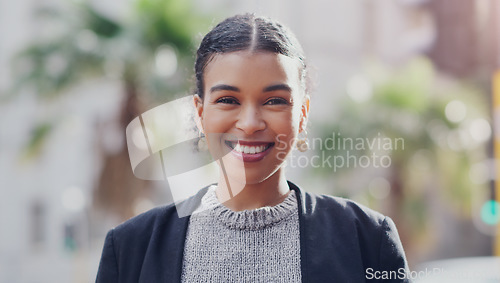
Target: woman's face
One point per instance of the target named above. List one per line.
(253, 108)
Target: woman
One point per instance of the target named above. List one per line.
(253, 226)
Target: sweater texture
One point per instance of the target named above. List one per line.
(259, 245)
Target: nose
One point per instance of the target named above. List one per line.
(250, 120)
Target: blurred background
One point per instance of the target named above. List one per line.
(417, 72)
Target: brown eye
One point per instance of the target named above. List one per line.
(276, 100)
(227, 100)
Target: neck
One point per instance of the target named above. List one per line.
(237, 196)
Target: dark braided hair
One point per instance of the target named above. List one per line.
(247, 32)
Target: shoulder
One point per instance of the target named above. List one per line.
(361, 228)
(137, 233)
(132, 246)
(345, 218)
(126, 245)
(162, 219)
(342, 209)
(147, 221)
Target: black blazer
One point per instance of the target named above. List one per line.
(340, 241)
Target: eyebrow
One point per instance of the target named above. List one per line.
(278, 87)
(222, 87)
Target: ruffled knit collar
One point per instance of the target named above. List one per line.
(254, 219)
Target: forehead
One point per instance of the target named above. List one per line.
(252, 69)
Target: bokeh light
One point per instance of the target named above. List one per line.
(455, 111)
(73, 199)
(490, 212)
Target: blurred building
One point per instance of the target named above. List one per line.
(467, 42)
(47, 187)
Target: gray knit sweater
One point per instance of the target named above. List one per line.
(260, 245)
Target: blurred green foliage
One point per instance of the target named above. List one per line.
(38, 137)
(410, 102)
(83, 43)
(87, 43)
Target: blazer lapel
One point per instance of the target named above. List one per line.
(303, 221)
(328, 245)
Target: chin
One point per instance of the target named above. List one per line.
(249, 176)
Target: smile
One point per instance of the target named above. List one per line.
(249, 151)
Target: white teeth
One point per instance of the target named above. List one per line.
(249, 149)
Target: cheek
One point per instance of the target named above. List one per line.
(286, 130)
(216, 121)
(293, 120)
(215, 125)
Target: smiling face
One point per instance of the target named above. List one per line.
(252, 110)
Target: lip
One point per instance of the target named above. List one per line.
(247, 157)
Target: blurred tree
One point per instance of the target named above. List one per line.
(433, 128)
(150, 52)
